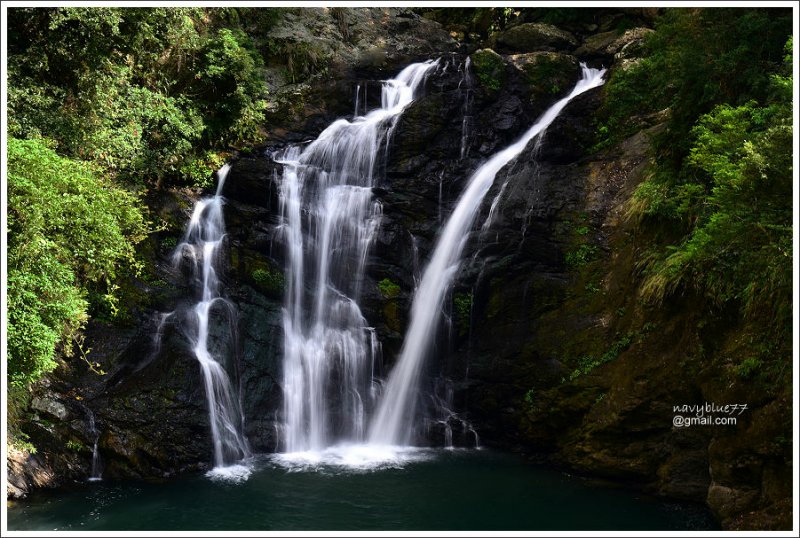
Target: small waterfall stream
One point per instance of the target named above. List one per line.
(392, 424)
(329, 220)
(200, 249)
(96, 473)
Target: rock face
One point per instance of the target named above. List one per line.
(548, 349)
(530, 37)
(609, 45)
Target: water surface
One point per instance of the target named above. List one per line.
(420, 490)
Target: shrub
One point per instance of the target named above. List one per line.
(388, 288)
(68, 231)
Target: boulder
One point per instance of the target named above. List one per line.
(607, 45)
(548, 74)
(596, 44)
(489, 69)
(629, 44)
(532, 36)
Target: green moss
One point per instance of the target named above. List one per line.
(462, 308)
(391, 315)
(589, 362)
(389, 289)
(749, 367)
(549, 73)
(490, 69)
(169, 243)
(268, 280)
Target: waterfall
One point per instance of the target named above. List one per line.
(391, 424)
(200, 248)
(96, 473)
(328, 222)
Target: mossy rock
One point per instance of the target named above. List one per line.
(627, 45)
(547, 73)
(531, 37)
(391, 315)
(269, 280)
(597, 44)
(490, 69)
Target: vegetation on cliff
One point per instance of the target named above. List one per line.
(716, 210)
(147, 94)
(103, 104)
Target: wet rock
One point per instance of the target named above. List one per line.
(51, 407)
(569, 137)
(250, 181)
(25, 471)
(629, 45)
(597, 45)
(727, 502)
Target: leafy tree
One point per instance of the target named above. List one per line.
(696, 59)
(69, 230)
(145, 93)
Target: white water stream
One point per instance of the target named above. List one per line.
(392, 424)
(329, 220)
(200, 248)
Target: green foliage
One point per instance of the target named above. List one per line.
(695, 60)
(530, 396)
(589, 362)
(591, 287)
(581, 256)
(738, 208)
(388, 288)
(231, 85)
(559, 16)
(69, 232)
(17, 402)
(716, 208)
(145, 93)
(75, 446)
(302, 60)
(483, 21)
(198, 170)
(749, 367)
(169, 243)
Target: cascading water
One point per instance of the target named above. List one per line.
(391, 425)
(96, 473)
(200, 248)
(329, 220)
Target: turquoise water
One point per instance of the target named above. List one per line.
(434, 490)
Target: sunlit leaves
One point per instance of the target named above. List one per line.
(67, 230)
